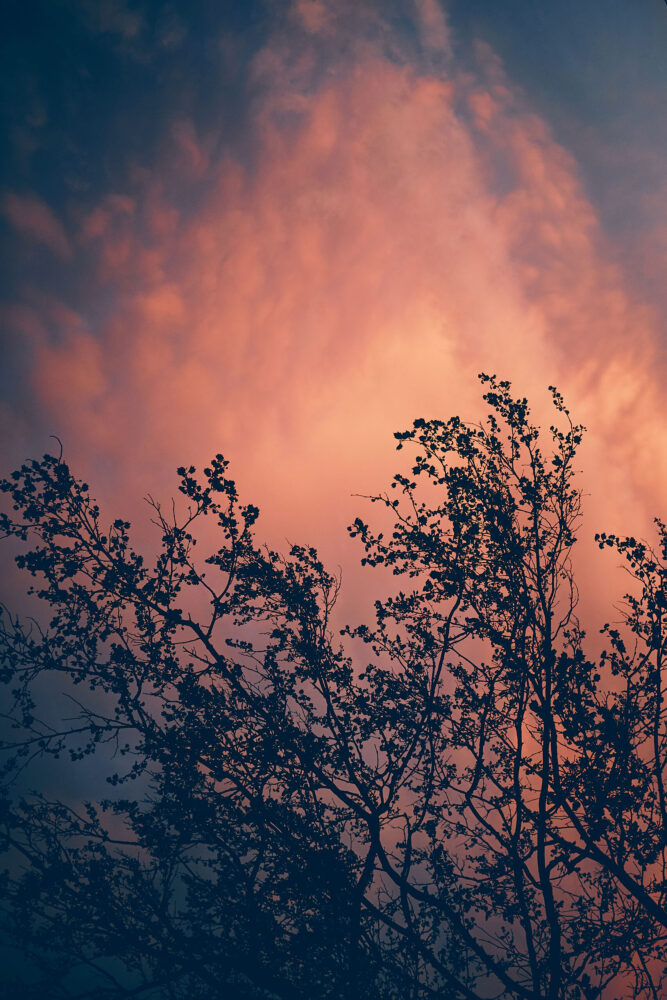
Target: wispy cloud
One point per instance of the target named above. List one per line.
(399, 226)
(35, 221)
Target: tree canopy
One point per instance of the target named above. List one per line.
(459, 799)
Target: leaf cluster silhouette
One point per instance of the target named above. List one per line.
(458, 800)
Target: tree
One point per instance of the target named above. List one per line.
(458, 801)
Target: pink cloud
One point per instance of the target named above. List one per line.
(96, 224)
(358, 275)
(35, 221)
(192, 159)
(433, 27)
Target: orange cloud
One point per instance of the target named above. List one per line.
(398, 230)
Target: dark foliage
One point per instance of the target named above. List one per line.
(459, 801)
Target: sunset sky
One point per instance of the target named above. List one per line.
(283, 230)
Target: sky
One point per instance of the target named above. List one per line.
(282, 230)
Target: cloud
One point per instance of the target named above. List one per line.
(111, 17)
(433, 27)
(35, 221)
(314, 15)
(98, 223)
(400, 226)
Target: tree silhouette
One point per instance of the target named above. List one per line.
(458, 801)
